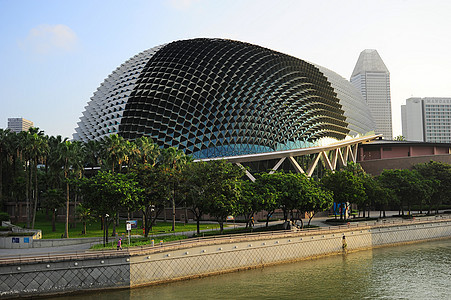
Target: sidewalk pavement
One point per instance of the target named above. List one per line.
(318, 221)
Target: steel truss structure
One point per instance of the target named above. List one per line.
(331, 156)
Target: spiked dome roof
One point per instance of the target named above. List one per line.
(215, 97)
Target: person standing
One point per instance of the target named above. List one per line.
(344, 244)
(119, 244)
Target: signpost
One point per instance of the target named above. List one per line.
(129, 228)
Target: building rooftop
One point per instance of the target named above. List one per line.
(369, 61)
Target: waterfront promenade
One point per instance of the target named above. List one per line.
(84, 247)
(42, 274)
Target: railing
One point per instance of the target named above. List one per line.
(220, 239)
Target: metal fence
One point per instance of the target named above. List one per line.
(215, 240)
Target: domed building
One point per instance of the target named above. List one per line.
(216, 98)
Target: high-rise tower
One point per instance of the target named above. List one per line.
(19, 124)
(427, 119)
(372, 78)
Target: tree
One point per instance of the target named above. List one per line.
(172, 162)
(71, 156)
(409, 187)
(3, 157)
(53, 199)
(148, 151)
(441, 173)
(114, 152)
(92, 150)
(382, 196)
(346, 188)
(251, 201)
(150, 180)
(154, 194)
(106, 193)
(318, 200)
(85, 214)
(196, 186)
(399, 138)
(38, 149)
(224, 190)
(269, 189)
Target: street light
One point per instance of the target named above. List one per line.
(105, 232)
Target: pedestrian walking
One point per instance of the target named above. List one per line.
(119, 244)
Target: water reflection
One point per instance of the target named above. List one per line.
(416, 271)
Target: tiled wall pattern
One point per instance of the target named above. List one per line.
(165, 266)
(67, 276)
(215, 97)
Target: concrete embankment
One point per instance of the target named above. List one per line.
(201, 257)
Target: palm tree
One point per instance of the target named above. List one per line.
(114, 151)
(71, 156)
(24, 154)
(172, 162)
(92, 151)
(38, 148)
(148, 150)
(53, 199)
(3, 157)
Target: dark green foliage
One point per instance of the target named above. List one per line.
(440, 173)
(346, 188)
(409, 187)
(4, 217)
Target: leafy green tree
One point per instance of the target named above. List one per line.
(143, 160)
(52, 200)
(195, 186)
(224, 190)
(85, 214)
(346, 188)
(269, 187)
(409, 187)
(38, 149)
(441, 174)
(318, 200)
(382, 196)
(172, 162)
(154, 197)
(251, 200)
(106, 193)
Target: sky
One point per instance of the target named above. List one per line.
(55, 53)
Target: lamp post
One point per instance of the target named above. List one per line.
(105, 230)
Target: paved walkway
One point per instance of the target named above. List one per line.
(318, 221)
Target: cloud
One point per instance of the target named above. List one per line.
(47, 39)
(182, 4)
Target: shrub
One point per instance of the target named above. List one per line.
(4, 216)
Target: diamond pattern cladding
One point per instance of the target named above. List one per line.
(213, 97)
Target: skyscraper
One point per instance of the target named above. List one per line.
(19, 124)
(372, 78)
(427, 120)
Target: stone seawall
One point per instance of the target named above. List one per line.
(50, 275)
(235, 255)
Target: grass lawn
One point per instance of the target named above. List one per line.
(142, 241)
(93, 228)
(242, 230)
